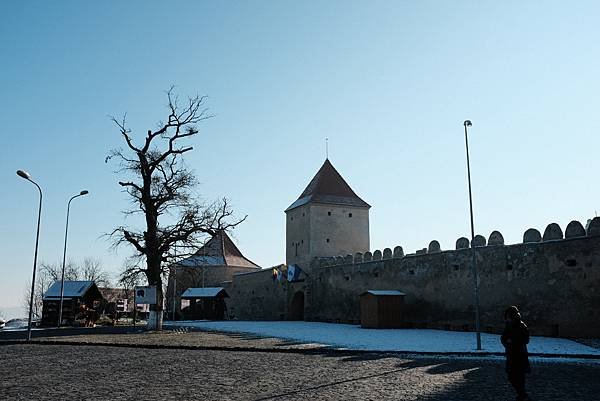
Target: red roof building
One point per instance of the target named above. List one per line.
(328, 187)
(327, 219)
(216, 262)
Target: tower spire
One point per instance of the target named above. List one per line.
(326, 148)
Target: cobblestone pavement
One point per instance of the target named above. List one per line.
(80, 372)
(183, 338)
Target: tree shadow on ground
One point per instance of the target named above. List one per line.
(69, 331)
(487, 380)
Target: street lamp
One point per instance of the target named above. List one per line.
(467, 124)
(26, 176)
(174, 271)
(62, 278)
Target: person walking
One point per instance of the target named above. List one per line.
(515, 339)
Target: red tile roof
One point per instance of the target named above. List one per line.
(219, 250)
(329, 187)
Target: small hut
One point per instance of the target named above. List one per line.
(381, 309)
(80, 301)
(205, 303)
(116, 301)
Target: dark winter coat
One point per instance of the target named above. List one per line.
(515, 339)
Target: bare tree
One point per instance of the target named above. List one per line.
(128, 280)
(51, 272)
(41, 286)
(160, 187)
(91, 270)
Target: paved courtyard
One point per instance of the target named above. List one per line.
(84, 372)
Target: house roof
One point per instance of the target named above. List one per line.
(115, 294)
(218, 251)
(72, 289)
(329, 187)
(206, 292)
(383, 292)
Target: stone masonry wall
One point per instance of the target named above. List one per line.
(556, 283)
(256, 296)
(554, 279)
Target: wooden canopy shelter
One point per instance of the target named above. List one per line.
(205, 303)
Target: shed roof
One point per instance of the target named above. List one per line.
(329, 187)
(384, 292)
(72, 289)
(206, 292)
(218, 251)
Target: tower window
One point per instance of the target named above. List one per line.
(302, 241)
(327, 240)
(292, 219)
(349, 214)
(328, 213)
(302, 214)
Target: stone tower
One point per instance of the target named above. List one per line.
(328, 219)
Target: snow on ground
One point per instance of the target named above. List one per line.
(15, 325)
(410, 340)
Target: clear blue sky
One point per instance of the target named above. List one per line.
(388, 82)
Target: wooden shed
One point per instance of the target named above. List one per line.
(381, 309)
(80, 301)
(205, 303)
(116, 301)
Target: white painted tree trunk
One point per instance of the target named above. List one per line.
(155, 320)
(155, 317)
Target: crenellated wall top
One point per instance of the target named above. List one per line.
(552, 232)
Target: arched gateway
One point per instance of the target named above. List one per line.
(296, 311)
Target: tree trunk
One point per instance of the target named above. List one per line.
(155, 318)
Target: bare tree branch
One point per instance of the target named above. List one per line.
(157, 183)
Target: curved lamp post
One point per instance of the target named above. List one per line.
(26, 176)
(62, 277)
(467, 124)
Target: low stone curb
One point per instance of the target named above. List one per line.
(325, 350)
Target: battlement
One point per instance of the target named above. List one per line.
(553, 232)
(553, 277)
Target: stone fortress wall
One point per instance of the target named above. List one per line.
(553, 278)
(256, 296)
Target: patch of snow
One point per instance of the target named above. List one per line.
(72, 289)
(354, 337)
(15, 325)
(199, 261)
(204, 292)
(384, 292)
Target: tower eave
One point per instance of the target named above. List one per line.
(329, 200)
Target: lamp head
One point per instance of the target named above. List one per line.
(23, 174)
(84, 192)
(468, 123)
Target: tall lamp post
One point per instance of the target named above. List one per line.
(467, 124)
(62, 277)
(174, 271)
(26, 176)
